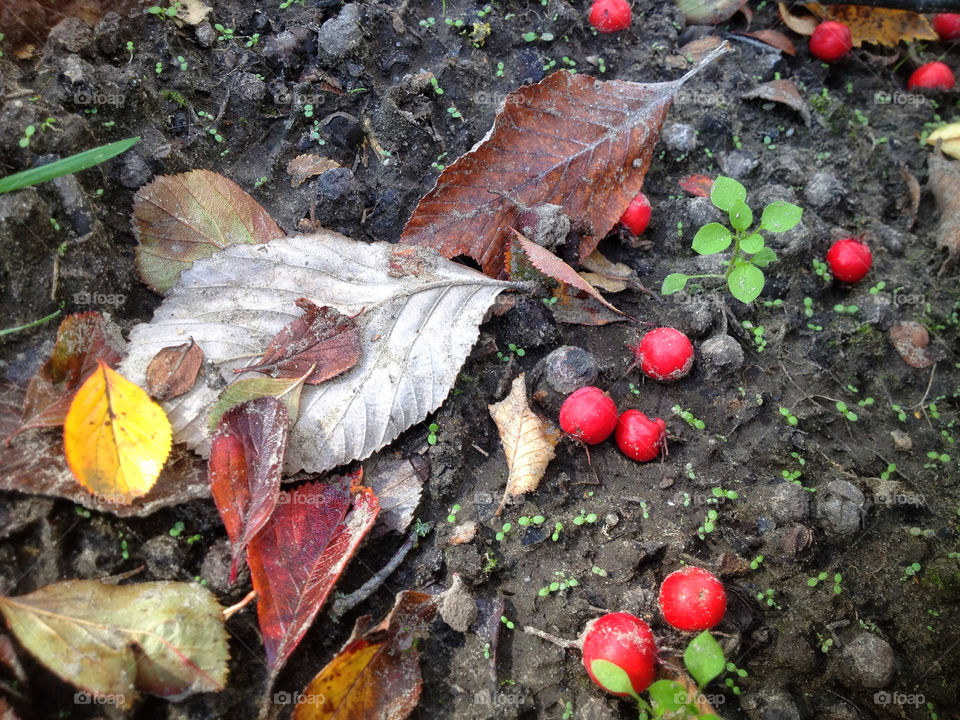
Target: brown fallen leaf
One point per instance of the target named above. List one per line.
(878, 25)
(944, 179)
(782, 91)
(173, 370)
(910, 339)
(180, 218)
(398, 483)
(322, 343)
(699, 185)
(612, 277)
(800, 24)
(570, 140)
(773, 38)
(377, 673)
(528, 441)
(911, 203)
(308, 166)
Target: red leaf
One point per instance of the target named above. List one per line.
(570, 140)
(82, 340)
(299, 554)
(174, 370)
(322, 339)
(245, 468)
(699, 185)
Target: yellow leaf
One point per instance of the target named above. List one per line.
(882, 26)
(115, 437)
(527, 440)
(950, 137)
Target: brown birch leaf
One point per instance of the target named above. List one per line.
(173, 370)
(307, 166)
(527, 440)
(570, 140)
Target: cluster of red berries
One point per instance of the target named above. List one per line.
(590, 415)
(620, 646)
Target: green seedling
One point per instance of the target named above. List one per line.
(737, 672)
(791, 418)
(825, 643)
(168, 13)
(842, 309)
(433, 428)
(808, 307)
(506, 621)
(527, 520)
(709, 524)
(901, 413)
(557, 529)
(757, 331)
(846, 412)
(504, 531)
(584, 518)
(559, 585)
(452, 513)
(688, 417)
(756, 562)
(767, 597)
(744, 274)
(225, 32)
(512, 350)
(822, 270)
(821, 577)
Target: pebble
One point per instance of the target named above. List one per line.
(163, 557)
(679, 138)
(785, 502)
(134, 171)
(107, 33)
(721, 355)
(250, 88)
(698, 318)
(840, 507)
(74, 203)
(71, 35)
(334, 185)
(340, 36)
(564, 370)
(215, 569)
(867, 662)
(205, 34)
(824, 189)
(282, 47)
(769, 704)
(901, 440)
(737, 164)
(458, 608)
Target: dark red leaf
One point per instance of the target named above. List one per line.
(699, 185)
(174, 370)
(322, 338)
(246, 467)
(299, 554)
(570, 140)
(82, 340)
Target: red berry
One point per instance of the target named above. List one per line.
(664, 354)
(619, 653)
(932, 76)
(692, 599)
(947, 26)
(830, 41)
(589, 415)
(609, 16)
(639, 437)
(849, 260)
(637, 215)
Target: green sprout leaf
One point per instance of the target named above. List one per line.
(741, 216)
(712, 238)
(752, 243)
(781, 216)
(667, 696)
(763, 257)
(745, 282)
(66, 166)
(674, 282)
(612, 677)
(704, 658)
(727, 191)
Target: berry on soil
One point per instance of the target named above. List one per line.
(609, 16)
(932, 76)
(588, 415)
(692, 599)
(637, 215)
(619, 654)
(664, 354)
(830, 41)
(849, 260)
(639, 437)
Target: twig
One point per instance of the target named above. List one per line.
(560, 642)
(234, 609)
(345, 603)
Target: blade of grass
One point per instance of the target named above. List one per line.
(35, 323)
(66, 166)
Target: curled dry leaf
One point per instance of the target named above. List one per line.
(773, 38)
(944, 179)
(577, 308)
(800, 24)
(173, 370)
(308, 166)
(570, 140)
(528, 440)
(377, 673)
(115, 437)
(949, 138)
(162, 638)
(911, 203)
(782, 91)
(878, 25)
(699, 185)
(296, 558)
(611, 276)
(421, 316)
(910, 340)
(245, 469)
(320, 344)
(180, 218)
(398, 483)
(82, 340)
(35, 464)
(8, 656)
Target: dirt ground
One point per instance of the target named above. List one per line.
(817, 497)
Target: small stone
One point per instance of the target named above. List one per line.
(71, 35)
(824, 189)
(163, 557)
(463, 533)
(785, 502)
(134, 171)
(334, 185)
(107, 33)
(901, 440)
(840, 507)
(340, 36)
(215, 569)
(458, 608)
(769, 704)
(721, 355)
(679, 138)
(564, 370)
(611, 519)
(737, 164)
(205, 34)
(697, 318)
(866, 663)
(250, 88)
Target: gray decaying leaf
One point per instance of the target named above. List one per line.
(784, 92)
(420, 317)
(398, 483)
